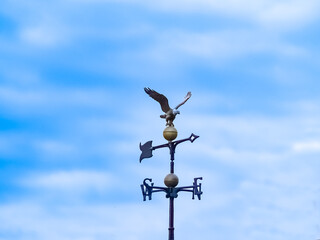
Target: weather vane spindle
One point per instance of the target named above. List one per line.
(171, 180)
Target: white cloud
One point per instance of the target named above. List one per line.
(174, 48)
(307, 106)
(55, 148)
(19, 75)
(42, 36)
(272, 13)
(83, 222)
(308, 146)
(14, 96)
(44, 98)
(71, 181)
(265, 23)
(289, 14)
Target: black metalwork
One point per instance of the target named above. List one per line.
(147, 148)
(148, 187)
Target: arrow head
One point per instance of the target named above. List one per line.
(193, 137)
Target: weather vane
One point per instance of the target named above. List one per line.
(171, 180)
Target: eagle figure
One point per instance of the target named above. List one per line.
(169, 113)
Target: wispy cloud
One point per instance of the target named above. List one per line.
(30, 221)
(55, 148)
(44, 98)
(284, 13)
(220, 46)
(307, 146)
(73, 181)
(42, 36)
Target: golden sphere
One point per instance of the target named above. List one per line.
(170, 133)
(171, 180)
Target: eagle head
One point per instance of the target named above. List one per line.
(175, 112)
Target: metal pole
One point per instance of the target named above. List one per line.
(171, 219)
(172, 167)
(171, 203)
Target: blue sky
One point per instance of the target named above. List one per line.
(73, 112)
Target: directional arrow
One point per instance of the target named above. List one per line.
(146, 149)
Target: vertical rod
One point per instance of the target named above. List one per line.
(171, 219)
(172, 148)
(171, 167)
(171, 203)
(172, 151)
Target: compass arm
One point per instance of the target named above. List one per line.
(147, 189)
(195, 189)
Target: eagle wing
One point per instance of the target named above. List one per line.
(185, 99)
(159, 98)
